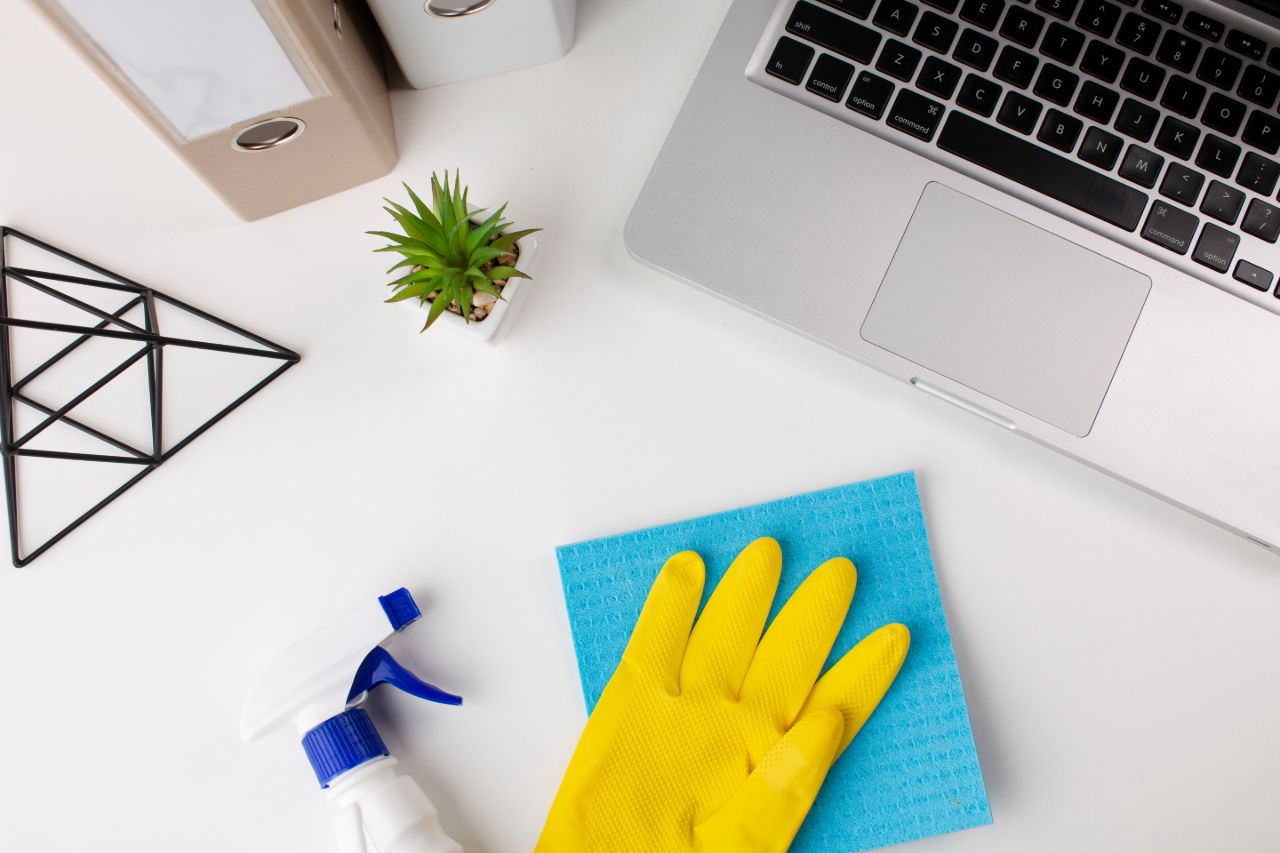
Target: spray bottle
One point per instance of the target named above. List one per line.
(318, 687)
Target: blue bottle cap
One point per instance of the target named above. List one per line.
(342, 743)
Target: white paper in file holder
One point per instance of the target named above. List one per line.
(201, 65)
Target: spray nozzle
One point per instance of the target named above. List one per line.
(317, 685)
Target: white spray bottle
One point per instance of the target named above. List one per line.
(318, 686)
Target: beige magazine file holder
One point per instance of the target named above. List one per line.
(274, 103)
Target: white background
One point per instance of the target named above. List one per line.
(1119, 656)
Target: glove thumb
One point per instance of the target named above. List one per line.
(764, 815)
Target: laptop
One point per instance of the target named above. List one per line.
(1059, 215)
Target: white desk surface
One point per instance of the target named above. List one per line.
(1119, 656)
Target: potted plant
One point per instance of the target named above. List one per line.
(461, 265)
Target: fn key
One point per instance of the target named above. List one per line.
(790, 60)
(916, 115)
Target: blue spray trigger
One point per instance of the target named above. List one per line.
(379, 667)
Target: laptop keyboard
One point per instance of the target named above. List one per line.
(1152, 119)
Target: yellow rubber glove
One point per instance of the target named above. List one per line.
(716, 739)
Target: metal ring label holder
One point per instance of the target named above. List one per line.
(456, 8)
(268, 134)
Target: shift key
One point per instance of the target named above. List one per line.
(1170, 227)
(916, 115)
(834, 32)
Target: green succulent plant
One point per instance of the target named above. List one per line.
(450, 252)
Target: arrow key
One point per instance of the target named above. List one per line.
(1181, 184)
(1254, 276)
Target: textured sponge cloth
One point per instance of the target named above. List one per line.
(913, 770)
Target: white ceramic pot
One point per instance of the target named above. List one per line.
(487, 329)
(445, 41)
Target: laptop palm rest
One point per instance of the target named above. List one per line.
(1007, 309)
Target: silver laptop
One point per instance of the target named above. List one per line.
(1059, 215)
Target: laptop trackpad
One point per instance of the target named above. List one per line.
(1007, 309)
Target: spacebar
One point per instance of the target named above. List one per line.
(1057, 177)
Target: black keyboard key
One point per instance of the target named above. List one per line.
(1262, 221)
(1166, 10)
(936, 32)
(834, 32)
(1099, 17)
(1273, 57)
(1258, 174)
(857, 8)
(1141, 166)
(898, 60)
(1020, 113)
(947, 6)
(1169, 227)
(982, 13)
(1100, 148)
(1062, 43)
(1103, 61)
(975, 50)
(1060, 130)
(1253, 275)
(1016, 66)
(1179, 51)
(830, 77)
(1223, 114)
(790, 60)
(1182, 184)
(938, 77)
(1216, 247)
(1022, 26)
(1259, 86)
(1063, 9)
(896, 16)
(1139, 34)
(1183, 96)
(1137, 119)
(915, 114)
(1243, 43)
(1056, 84)
(1262, 130)
(1097, 102)
(979, 95)
(1203, 26)
(870, 95)
(1055, 176)
(1218, 68)
(1142, 79)
(1218, 156)
(1178, 138)
(1222, 202)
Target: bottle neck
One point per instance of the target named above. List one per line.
(357, 783)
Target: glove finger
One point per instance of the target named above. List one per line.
(764, 814)
(859, 680)
(798, 642)
(662, 631)
(725, 636)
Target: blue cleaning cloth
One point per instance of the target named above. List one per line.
(913, 771)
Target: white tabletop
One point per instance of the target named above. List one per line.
(1118, 655)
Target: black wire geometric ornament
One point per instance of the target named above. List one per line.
(110, 325)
